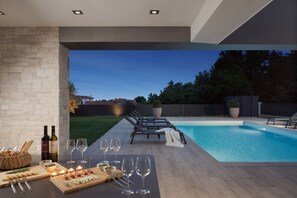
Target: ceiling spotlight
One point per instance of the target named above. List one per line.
(155, 12)
(2, 13)
(77, 12)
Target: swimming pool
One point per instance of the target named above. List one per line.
(244, 142)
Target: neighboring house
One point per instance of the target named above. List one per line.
(99, 103)
(122, 101)
(83, 99)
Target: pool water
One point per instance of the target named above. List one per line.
(244, 143)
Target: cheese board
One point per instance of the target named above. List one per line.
(89, 177)
(30, 173)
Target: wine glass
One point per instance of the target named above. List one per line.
(70, 147)
(2, 147)
(82, 145)
(104, 146)
(115, 145)
(143, 168)
(127, 170)
(10, 142)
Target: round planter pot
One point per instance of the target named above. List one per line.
(234, 112)
(157, 112)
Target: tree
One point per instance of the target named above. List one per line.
(227, 76)
(271, 75)
(255, 67)
(140, 99)
(73, 102)
(280, 83)
(204, 90)
(190, 96)
(151, 98)
(178, 93)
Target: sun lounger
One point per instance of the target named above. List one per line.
(152, 125)
(294, 122)
(140, 117)
(148, 121)
(151, 129)
(286, 120)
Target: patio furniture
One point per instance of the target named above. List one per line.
(140, 117)
(291, 122)
(282, 119)
(148, 121)
(150, 125)
(151, 129)
(294, 122)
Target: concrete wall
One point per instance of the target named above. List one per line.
(33, 85)
(282, 109)
(184, 109)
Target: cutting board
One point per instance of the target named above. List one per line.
(42, 173)
(59, 181)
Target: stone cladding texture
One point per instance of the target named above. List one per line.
(33, 85)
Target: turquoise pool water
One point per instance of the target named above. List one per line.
(244, 143)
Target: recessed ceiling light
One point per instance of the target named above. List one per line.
(154, 11)
(77, 12)
(2, 13)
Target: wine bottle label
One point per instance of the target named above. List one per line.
(53, 146)
(45, 147)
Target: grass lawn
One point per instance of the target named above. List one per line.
(92, 127)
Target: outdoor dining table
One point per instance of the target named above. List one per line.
(44, 188)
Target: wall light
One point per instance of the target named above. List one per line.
(154, 12)
(77, 12)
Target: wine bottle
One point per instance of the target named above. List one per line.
(53, 146)
(45, 144)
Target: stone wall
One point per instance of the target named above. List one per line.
(33, 85)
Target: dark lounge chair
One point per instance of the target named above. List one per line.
(295, 123)
(287, 120)
(148, 121)
(151, 130)
(140, 117)
(153, 124)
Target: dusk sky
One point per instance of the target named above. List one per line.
(130, 73)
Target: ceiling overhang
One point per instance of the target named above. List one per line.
(217, 19)
(185, 21)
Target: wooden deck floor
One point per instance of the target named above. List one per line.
(190, 172)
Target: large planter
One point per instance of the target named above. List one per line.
(157, 112)
(234, 112)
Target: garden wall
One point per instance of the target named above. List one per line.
(185, 110)
(278, 109)
(146, 110)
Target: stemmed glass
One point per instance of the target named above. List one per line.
(70, 147)
(115, 145)
(143, 168)
(82, 145)
(104, 146)
(127, 170)
(10, 142)
(2, 147)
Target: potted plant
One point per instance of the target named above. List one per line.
(157, 109)
(233, 108)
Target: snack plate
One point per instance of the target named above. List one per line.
(41, 173)
(66, 186)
